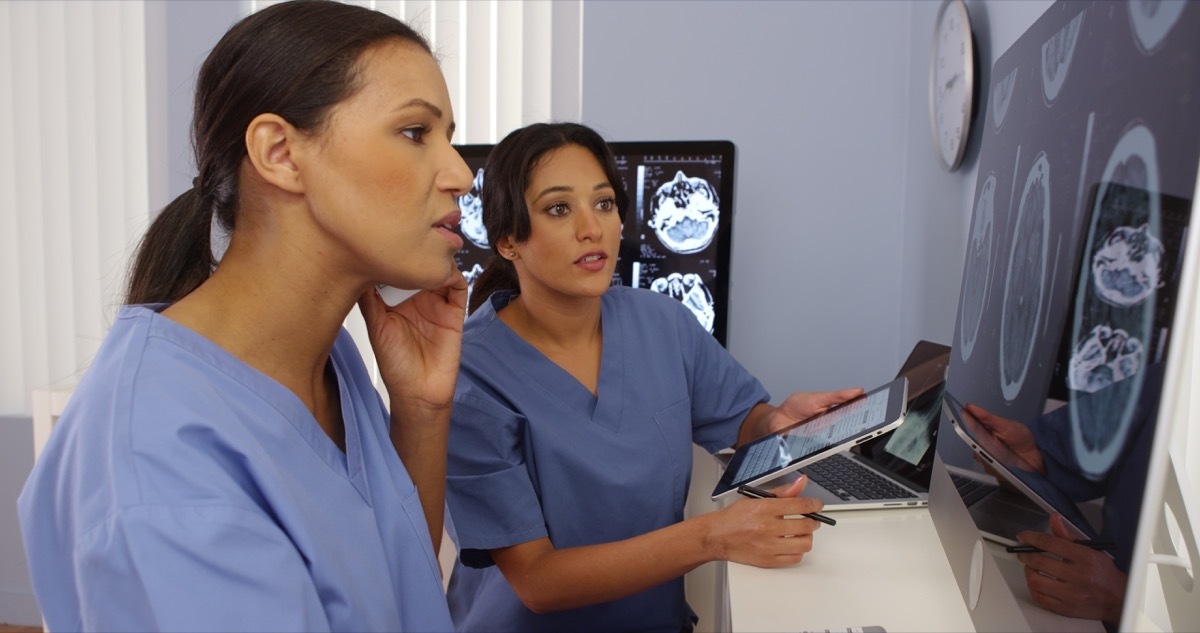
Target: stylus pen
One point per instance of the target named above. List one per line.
(759, 493)
(1101, 546)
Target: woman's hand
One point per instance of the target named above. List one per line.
(418, 342)
(1070, 578)
(1016, 436)
(765, 532)
(803, 405)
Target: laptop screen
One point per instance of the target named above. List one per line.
(908, 451)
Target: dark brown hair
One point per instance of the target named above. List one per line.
(295, 59)
(505, 177)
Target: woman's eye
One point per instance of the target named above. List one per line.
(415, 133)
(557, 209)
(607, 204)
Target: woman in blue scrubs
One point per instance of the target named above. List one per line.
(575, 413)
(226, 463)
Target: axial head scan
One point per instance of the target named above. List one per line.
(685, 213)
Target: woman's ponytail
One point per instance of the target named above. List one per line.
(498, 274)
(175, 255)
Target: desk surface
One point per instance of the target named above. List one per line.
(875, 567)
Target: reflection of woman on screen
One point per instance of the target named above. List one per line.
(1085, 583)
(577, 407)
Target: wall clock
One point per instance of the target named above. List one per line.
(952, 83)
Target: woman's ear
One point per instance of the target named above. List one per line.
(270, 142)
(506, 249)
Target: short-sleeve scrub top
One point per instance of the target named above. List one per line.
(534, 454)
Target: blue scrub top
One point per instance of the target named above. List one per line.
(533, 453)
(184, 490)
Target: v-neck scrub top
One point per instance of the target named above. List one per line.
(533, 453)
(183, 490)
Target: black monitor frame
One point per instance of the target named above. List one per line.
(642, 252)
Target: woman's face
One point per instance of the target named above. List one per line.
(382, 177)
(575, 227)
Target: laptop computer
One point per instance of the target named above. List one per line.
(893, 471)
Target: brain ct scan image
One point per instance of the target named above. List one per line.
(472, 213)
(685, 213)
(1002, 94)
(1056, 57)
(1114, 312)
(689, 290)
(1127, 267)
(1103, 357)
(1152, 20)
(1026, 281)
(979, 261)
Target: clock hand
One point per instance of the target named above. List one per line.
(951, 82)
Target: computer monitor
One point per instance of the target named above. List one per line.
(1087, 167)
(678, 230)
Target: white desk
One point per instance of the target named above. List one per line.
(875, 567)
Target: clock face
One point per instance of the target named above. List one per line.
(951, 82)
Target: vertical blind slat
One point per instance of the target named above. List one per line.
(508, 51)
(27, 124)
(12, 348)
(534, 88)
(82, 205)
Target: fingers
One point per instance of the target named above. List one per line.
(792, 489)
(789, 511)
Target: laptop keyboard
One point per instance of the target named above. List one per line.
(971, 490)
(849, 481)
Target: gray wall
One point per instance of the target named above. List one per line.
(17, 605)
(849, 237)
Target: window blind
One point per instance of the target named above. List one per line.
(77, 140)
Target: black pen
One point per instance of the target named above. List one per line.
(1100, 546)
(759, 493)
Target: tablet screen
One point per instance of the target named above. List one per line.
(857, 420)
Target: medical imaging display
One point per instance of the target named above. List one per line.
(676, 236)
(676, 239)
(1074, 254)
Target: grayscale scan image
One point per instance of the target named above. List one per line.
(1152, 20)
(1026, 280)
(1114, 311)
(1001, 94)
(684, 213)
(978, 268)
(689, 290)
(1056, 57)
(472, 213)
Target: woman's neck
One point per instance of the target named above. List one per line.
(560, 325)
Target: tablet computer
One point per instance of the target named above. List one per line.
(854, 421)
(1012, 468)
